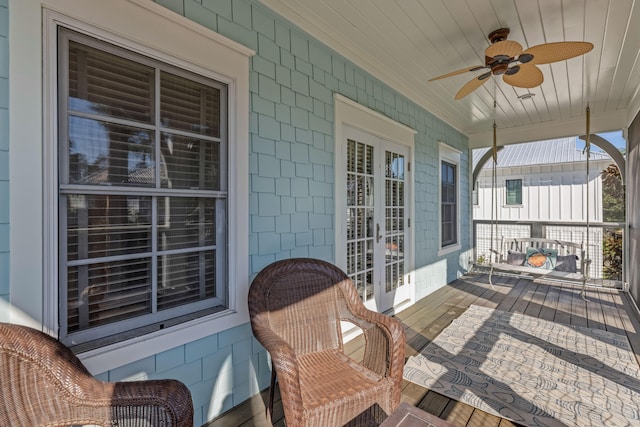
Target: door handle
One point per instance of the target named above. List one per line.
(378, 236)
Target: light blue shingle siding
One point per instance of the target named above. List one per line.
(203, 16)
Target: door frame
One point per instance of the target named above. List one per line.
(350, 113)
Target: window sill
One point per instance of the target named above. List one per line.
(449, 249)
(112, 356)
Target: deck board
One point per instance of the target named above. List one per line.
(607, 308)
(595, 317)
(457, 413)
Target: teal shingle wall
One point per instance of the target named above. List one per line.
(4, 156)
(292, 81)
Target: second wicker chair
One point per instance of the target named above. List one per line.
(296, 308)
(42, 383)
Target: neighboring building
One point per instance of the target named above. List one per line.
(542, 188)
(155, 156)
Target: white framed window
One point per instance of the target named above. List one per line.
(449, 199)
(142, 193)
(185, 57)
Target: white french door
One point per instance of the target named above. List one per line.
(377, 215)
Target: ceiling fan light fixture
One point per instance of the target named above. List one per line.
(525, 57)
(512, 70)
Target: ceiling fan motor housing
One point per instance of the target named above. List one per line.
(498, 35)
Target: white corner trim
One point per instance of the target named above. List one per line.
(193, 26)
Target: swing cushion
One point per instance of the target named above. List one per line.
(516, 258)
(543, 258)
(567, 263)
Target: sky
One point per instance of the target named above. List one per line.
(613, 137)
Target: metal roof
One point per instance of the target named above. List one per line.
(551, 151)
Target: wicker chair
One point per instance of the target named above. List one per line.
(42, 383)
(296, 306)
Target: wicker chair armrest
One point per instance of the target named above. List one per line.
(384, 348)
(170, 398)
(384, 342)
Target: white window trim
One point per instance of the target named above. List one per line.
(451, 155)
(147, 28)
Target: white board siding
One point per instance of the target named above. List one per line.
(549, 193)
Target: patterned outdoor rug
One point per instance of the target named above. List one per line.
(532, 371)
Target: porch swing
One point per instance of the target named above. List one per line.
(533, 257)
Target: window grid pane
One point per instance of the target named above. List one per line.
(189, 106)
(185, 222)
(185, 278)
(109, 85)
(107, 292)
(102, 153)
(100, 226)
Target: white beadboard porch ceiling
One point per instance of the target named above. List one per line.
(404, 43)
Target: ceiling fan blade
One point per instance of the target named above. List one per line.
(462, 71)
(472, 85)
(508, 48)
(527, 76)
(557, 51)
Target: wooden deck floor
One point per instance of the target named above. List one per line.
(608, 309)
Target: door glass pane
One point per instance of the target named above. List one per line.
(360, 221)
(394, 220)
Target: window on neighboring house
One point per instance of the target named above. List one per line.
(142, 175)
(448, 203)
(514, 191)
